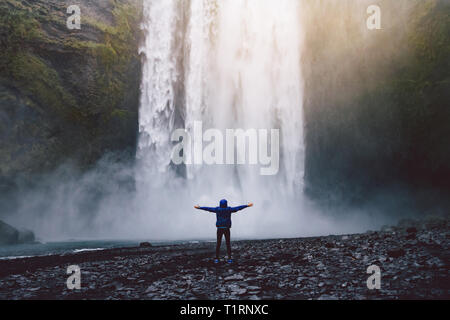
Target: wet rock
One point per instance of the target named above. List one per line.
(411, 230)
(26, 236)
(234, 277)
(286, 268)
(328, 297)
(151, 289)
(396, 252)
(8, 234)
(253, 288)
(233, 287)
(435, 262)
(410, 236)
(242, 291)
(145, 245)
(300, 269)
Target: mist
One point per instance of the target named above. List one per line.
(104, 203)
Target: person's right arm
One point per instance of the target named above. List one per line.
(209, 209)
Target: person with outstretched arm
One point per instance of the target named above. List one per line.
(223, 224)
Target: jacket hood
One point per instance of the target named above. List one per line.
(223, 203)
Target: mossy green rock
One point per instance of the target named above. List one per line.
(67, 95)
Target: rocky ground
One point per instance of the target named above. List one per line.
(413, 258)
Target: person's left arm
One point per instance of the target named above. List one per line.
(236, 209)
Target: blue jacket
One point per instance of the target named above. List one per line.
(223, 213)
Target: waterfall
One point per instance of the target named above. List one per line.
(229, 64)
(160, 73)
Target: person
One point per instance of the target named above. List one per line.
(223, 213)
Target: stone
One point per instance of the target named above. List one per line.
(286, 269)
(327, 297)
(253, 288)
(242, 291)
(8, 234)
(234, 277)
(179, 273)
(151, 289)
(26, 236)
(411, 230)
(410, 236)
(396, 252)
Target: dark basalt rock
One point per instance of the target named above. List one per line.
(396, 252)
(145, 245)
(26, 236)
(411, 230)
(10, 235)
(303, 268)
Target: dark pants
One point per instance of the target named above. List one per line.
(220, 233)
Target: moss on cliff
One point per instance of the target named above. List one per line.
(83, 84)
(41, 83)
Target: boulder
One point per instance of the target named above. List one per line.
(411, 230)
(410, 236)
(26, 236)
(10, 235)
(396, 252)
(145, 245)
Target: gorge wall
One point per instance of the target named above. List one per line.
(377, 102)
(67, 95)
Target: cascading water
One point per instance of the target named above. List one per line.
(229, 64)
